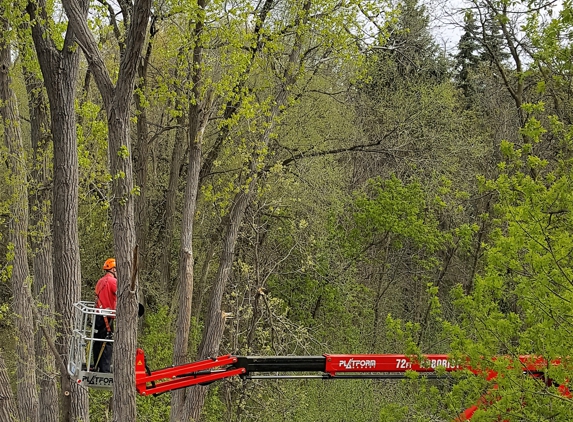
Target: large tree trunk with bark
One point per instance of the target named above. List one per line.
(186, 261)
(190, 402)
(8, 410)
(166, 236)
(214, 324)
(213, 333)
(196, 395)
(46, 363)
(26, 389)
(185, 287)
(117, 100)
(141, 152)
(60, 70)
(123, 223)
(66, 246)
(41, 243)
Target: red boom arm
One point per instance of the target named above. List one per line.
(210, 370)
(183, 375)
(331, 366)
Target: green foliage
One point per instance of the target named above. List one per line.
(4, 310)
(390, 210)
(157, 341)
(390, 237)
(214, 406)
(393, 413)
(414, 54)
(96, 243)
(521, 303)
(157, 338)
(315, 289)
(390, 216)
(401, 335)
(551, 52)
(315, 400)
(493, 40)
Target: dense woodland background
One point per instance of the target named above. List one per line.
(287, 178)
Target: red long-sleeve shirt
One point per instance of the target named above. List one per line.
(106, 292)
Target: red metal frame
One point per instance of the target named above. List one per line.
(181, 376)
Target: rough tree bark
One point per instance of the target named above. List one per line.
(214, 324)
(60, 70)
(183, 401)
(141, 153)
(26, 390)
(8, 410)
(117, 100)
(41, 243)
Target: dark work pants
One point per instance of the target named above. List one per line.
(104, 363)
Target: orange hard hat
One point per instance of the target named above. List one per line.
(109, 264)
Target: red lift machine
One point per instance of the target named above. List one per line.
(385, 366)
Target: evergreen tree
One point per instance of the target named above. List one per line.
(493, 41)
(478, 44)
(410, 54)
(468, 56)
(416, 43)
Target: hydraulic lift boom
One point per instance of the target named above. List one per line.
(328, 366)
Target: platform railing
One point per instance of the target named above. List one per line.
(82, 342)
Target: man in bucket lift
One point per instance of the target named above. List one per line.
(106, 298)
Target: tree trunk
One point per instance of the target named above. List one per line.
(26, 390)
(177, 156)
(198, 118)
(196, 395)
(47, 369)
(186, 261)
(141, 152)
(60, 70)
(8, 410)
(124, 408)
(214, 324)
(185, 291)
(213, 333)
(41, 243)
(67, 276)
(202, 284)
(117, 101)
